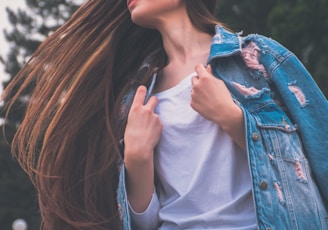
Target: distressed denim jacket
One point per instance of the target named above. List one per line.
(286, 125)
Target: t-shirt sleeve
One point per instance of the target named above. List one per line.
(149, 219)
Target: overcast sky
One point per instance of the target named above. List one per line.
(12, 4)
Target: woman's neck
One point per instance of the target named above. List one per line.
(182, 41)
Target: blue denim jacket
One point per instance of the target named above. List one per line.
(286, 123)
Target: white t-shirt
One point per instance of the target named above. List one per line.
(204, 177)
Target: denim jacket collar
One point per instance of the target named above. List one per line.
(224, 43)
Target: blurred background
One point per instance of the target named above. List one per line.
(300, 25)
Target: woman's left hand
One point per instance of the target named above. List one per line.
(211, 98)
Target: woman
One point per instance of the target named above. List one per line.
(190, 125)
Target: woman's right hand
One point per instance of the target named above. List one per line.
(143, 127)
(142, 133)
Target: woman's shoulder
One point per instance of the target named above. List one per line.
(227, 42)
(266, 44)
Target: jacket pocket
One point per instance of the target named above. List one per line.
(279, 134)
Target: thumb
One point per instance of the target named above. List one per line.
(209, 68)
(201, 70)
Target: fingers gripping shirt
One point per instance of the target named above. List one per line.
(204, 179)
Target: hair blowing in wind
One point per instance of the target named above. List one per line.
(68, 139)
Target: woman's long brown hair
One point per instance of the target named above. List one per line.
(68, 140)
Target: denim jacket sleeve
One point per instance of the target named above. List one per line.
(122, 200)
(305, 102)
